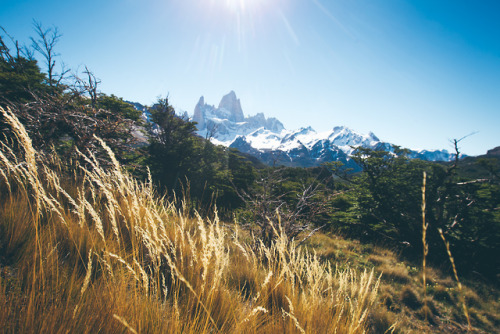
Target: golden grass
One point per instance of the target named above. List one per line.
(452, 261)
(94, 250)
(425, 246)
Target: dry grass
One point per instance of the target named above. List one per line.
(395, 273)
(459, 284)
(89, 249)
(403, 303)
(93, 250)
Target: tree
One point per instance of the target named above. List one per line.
(172, 145)
(282, 198)
(384, 204)
(45, 44)
(20, 77)
(387, 195)
(117, 106)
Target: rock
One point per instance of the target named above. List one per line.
(495, 151)
(232, 104)
(199, 114)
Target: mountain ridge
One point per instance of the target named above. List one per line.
(268, 140)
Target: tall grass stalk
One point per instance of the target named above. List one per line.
(460, 288)
(425, 246)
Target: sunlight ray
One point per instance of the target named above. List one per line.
(333, 18)
(289, 28)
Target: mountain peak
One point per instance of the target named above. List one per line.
(232, 104)
(227, 121)
(373, 136)
(199, 113)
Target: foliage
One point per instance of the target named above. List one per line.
(180, 161)
(20, 77)
(58, 116)
(116, 106)
(384, 203)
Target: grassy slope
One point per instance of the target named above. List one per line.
(401, 293)
(89, 250)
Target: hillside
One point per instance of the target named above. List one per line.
(98, 251)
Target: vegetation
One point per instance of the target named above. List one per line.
(176, 234)
(384, 203)
(95, 250)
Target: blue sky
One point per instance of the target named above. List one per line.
(416, 73)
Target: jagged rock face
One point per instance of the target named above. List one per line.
(306, 148)
(227, 121)
(260, 121)
(232, 104)
(199, 113)
(267, 140)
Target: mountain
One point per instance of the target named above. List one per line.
(494, 152)
(267, 140)
(224, 123)
(484, 166)
(306, 148)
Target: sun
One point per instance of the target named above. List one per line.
(242, 6)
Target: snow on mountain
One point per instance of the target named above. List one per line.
(227, 121)
(268, 140)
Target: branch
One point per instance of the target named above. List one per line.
(310, 235)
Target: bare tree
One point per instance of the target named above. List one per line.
(87, 86)
(292, 211)
(45, 45)
(4, 49)
(211, 131)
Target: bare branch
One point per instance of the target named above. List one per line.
(45, 45)
(270, 205)
(88, 86)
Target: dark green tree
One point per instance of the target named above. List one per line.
(172, 148)
(20, 77)
(118, 107)
(383, 204)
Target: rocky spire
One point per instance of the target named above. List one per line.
(199, 114)
(232, 104)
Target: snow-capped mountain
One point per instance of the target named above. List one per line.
(268, 140)
(224, 123)
(304, 147)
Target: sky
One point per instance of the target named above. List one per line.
(417, 73)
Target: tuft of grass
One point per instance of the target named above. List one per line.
(441, 293)
(378, 259)
(410, 298)
(395, 273)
